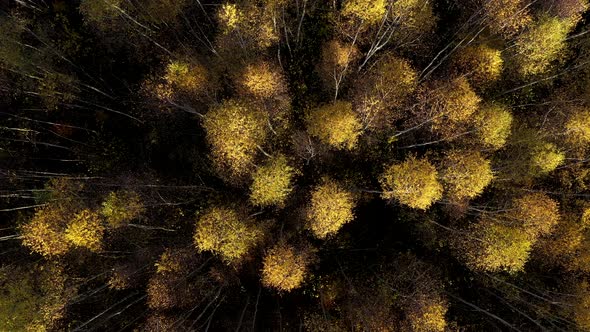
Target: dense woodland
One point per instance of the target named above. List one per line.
(295, 165)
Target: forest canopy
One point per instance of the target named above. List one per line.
(304, 165)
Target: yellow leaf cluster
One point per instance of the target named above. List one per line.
(465, 174)
(564, 243)
(545, 158)
(380, 94)
(457, 101)
(536, 213)
(261, 80)
(396, 79)
(86, 230)
(284, 268)
(186, 77)
(335, 124)
(578, 127)
(44, 233)
(230, 16)
(331, 207)
(272, 182)
(539, 46)
(235, 131)
(413, 182)
(504, 242)
(430, 317)
(337, 54)
(493, 124)
(581, 307)
(506, 17)
(482, 64)
(253, 24)
(414, 16)
(121, 207)
(226, 233)
(335, 58)
(504, 248)
(369, 11)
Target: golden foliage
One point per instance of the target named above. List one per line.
(545, 158)
(44, 233)
(272, 182)
(536, 48)
(465, 174)
(121, 207)
(413, 182)
(504, 242)
(335, 59)
(172, 285)
(499, 247)
(564, 243)
(577, 127)
(284, 267)
(536, 213)
(570, 10)
(493, 123)
(396, 79)
(186, 76)
(226, 233)
(235, 131)
(33, 298)
(457, 101)
(168, 263)
(429, 316)
(261, 80)
(86, 230)
(229, 16)
(481, 63)
(447, 105)
(335, 125)
(378, 97)
(414, 15)
(248, 25)
(506, 17)
(529, 155)
(331, 207)
(369, 11)
(581, 308)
